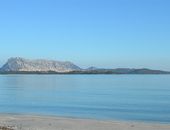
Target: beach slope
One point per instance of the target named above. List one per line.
(23, 122)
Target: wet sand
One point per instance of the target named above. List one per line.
(29, 122)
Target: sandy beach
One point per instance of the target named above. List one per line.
(28, 122)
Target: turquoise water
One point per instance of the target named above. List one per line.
(117, 97)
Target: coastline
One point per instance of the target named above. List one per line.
(37, 122)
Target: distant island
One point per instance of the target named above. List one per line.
(20, 65)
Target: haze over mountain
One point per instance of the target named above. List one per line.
(22, 65)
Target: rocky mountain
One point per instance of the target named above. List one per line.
(25, 65)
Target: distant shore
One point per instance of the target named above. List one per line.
(30, 122)
(85, 73)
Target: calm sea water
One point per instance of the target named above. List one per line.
(120, 97)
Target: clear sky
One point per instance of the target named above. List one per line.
(102, 33)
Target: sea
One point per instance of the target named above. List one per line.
(143, 98)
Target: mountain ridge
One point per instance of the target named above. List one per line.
(18, 65)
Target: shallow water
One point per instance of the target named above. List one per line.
(117, 97)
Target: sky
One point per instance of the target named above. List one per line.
(102, 33)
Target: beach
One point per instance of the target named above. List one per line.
(30, 122)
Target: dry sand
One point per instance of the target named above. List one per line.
(23, 122)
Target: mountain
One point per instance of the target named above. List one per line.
(121, 71)
(91, 68)
(25, 65)
(147, 71)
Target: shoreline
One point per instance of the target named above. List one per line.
(37, 122)
(83, 118)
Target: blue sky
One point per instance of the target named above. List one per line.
(103, 33)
